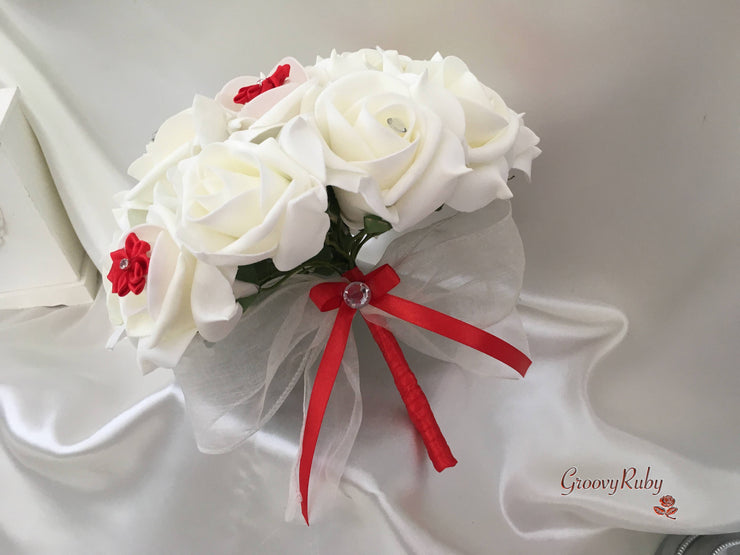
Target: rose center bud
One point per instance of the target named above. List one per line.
(397, 125)
(357, 294)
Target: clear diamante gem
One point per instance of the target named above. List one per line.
(123, 264)
(397, 125)
(356, 294)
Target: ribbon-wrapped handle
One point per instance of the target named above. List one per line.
(417, 405)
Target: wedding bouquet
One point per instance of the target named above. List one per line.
(237, 265)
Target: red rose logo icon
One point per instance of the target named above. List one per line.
(667, 501)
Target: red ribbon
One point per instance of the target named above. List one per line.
(250, 92)
(328, 296)
(130, 266)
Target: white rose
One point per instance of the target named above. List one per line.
(338, 65)
(270, 108)
(179, 137)
(244, 202)
(495, 137)
(181, 296)
(388, 150)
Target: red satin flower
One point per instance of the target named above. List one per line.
(130, 266)
(246, 94)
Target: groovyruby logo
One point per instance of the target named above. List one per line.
(630, 480)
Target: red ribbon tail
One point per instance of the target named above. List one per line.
(413, 397)
(454, 329)
(325, 377)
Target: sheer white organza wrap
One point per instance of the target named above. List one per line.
(469, 266)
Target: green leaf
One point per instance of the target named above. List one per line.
(375, 225)
(247, 273)
(332, 205)
(259, 272)
(246, 302)
(325, 254)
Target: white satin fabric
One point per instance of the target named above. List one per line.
(633, 205)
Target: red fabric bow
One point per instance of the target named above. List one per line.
(328, 296)
(246, 94)
(130, 266)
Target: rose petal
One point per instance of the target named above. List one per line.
(304, 228)
(212, 302)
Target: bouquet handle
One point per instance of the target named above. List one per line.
(413, 397)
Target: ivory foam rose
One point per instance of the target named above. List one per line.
(244, 202)
(340, 64)
(181, 296)
(386, 153)
(270, 108)
(495, 137)
(179, 137)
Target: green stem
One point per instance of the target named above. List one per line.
(361, 243)
(305, 268)
(344, 249)
(285, 276)
(321, 263)
(338, 249)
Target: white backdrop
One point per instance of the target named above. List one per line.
(634, 204)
